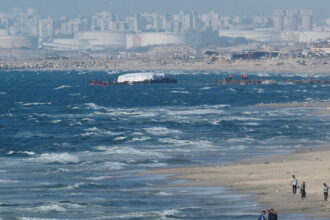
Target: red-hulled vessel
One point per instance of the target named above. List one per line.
(99, 83)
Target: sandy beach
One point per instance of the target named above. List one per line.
(268, 179)
(311, 66)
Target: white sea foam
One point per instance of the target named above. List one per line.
(260, 91)
(97, 178)
(74, 94)
(31, 218)
(88, 120)
(205, 88)
(235, 140)
(130, 153)
(56, 121)
(161, 131)
(113, 165)
(120, 138)
(232, 90)
(144, 138)
(263, 74)
(34, 103)
(50, 208)
(238, 118)
(3, 93)
(250, 123)
(153, 165)
(164, 214)
(56, 157)
(30, 153)
(9, 181)
(93, 131)
(182, 92)
(164, 194)
(195, 111)
(93, 106)
(62, 87)
(75, 124)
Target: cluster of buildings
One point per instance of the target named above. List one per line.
(105, 30)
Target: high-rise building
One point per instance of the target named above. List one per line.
(278, 15)
(306, 20)
(291, 20)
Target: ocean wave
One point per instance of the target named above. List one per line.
(56, 121)
(237, 140)
(29, 153)
(155, 164)
(120, 138)
(164, 214)
(34, 103)
(75, 124)
(3, 93)
(62, 87)
(130, 153)
(260, 91)
(161, 131)
(188, 144)
(98, 178)
(93, 106)
(112, 165)
(8, 181)
(56, 158)
(88, 120)
(182, 92)
(74, 94)
(144, 138)
(205, 88)
(195, 111)
(164, 193)
(263, 74)
(93, 131)
(33, 218)
(251, 123)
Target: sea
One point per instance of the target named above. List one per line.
(71, 150)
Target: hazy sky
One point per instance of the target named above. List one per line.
(72, 8)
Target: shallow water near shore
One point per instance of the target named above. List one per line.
(70, 150)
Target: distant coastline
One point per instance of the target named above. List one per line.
(291, 65)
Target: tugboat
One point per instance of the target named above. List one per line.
(99, 83)
(137, 78)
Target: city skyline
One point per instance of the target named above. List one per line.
(74, 8)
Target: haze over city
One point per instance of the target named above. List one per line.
(72, 8)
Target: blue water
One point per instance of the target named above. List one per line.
(70, 150)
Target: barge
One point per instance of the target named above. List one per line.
(137, 78)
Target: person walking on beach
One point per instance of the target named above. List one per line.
(270, 214)
(325, 191)
(262, 215)
(303, 191)
(273, 215)
(294, 183)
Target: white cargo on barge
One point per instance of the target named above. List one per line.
(145, 78)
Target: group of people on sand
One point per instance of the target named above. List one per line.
(294, 183)
(271, 214)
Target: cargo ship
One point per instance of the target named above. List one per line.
(137, 78)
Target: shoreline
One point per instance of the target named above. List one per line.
(267, 179)
(271, 66)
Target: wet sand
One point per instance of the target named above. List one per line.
(269, 178)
